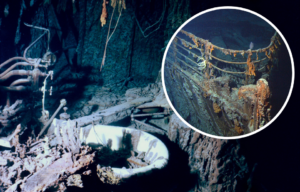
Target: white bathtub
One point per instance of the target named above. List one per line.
(156, 151)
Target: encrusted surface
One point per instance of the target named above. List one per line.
(75, 180)
(35, 166)
(106, 175)
(214, 107)
(218, 163)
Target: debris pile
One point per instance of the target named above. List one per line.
(38, 165)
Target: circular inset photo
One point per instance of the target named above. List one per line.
(228, 72)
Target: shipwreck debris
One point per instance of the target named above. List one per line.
(152, 151)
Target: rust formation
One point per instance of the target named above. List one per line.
(230, 85)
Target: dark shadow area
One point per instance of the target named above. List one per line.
(123, 122)
(280, 80)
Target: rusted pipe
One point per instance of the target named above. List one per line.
(11, 67)
(41, 28)
(19, 64)
(20, 72)
(24, 55)
(15, 72)
(63, 102)
(20, 81)
(12, 59)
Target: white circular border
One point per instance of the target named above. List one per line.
(241, 9)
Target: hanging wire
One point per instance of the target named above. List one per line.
(159, 22)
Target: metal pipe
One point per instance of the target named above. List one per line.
(20, 81)
(18, 64)
(41, 28)
(15, 72)
(148, 114)
(63, 102)
(11, 67)
(12, 59)
(24, 55)
(35, 77)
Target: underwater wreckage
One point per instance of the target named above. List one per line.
(61, 153)
(66, 146)
(230, 85)
(71, 147)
